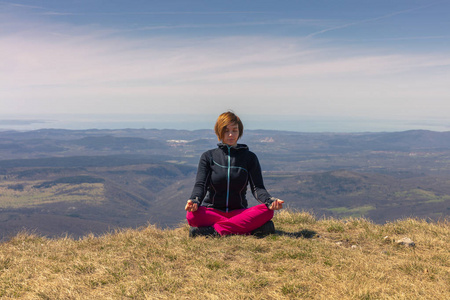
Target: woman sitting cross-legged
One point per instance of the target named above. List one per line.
(218, 204)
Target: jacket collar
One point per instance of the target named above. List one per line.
(237, 147)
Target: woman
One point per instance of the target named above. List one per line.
(218, 205)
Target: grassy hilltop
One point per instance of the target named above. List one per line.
(306, 259)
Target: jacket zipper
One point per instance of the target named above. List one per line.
(228, 176)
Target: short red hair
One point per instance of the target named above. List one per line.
(224, 120)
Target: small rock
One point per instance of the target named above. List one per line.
(339, 243)
(387, 239)
(354, 247)
(406, 241)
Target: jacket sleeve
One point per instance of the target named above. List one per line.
(202, 178)
(256, 181)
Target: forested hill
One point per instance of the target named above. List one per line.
(81, 181)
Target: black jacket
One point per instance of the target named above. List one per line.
(223, 176)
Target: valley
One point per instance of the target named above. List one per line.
(57, 182)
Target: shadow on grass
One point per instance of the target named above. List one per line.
(305, 233)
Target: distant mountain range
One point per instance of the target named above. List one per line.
(80, 181)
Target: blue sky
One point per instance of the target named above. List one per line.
(298, 59)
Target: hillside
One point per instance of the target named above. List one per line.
(78, 182)
(306, 259)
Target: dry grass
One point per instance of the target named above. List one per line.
(306, 259)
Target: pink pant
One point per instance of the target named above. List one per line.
(239, 221)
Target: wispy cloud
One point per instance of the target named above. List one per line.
(272, 19)
(18, 5)
(177, 13)
(369, 20)
(297, 22)
(408, 38)
(56, 67)
(75, 69)
(46, 11)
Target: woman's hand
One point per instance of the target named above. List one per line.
(191, 206)
(276, 204)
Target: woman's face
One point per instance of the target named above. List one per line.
(231, 135)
